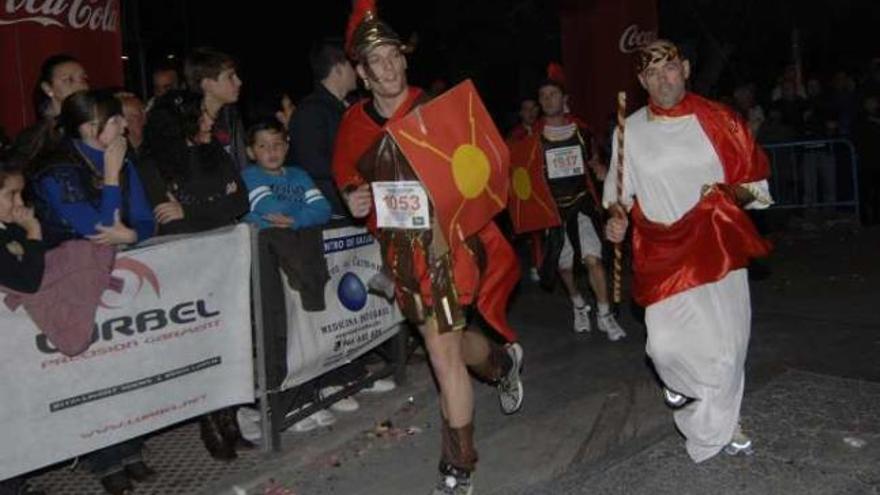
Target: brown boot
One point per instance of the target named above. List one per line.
(462, 453)
(496, 365)
(458, 459)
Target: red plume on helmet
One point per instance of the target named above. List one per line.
(555, 73)
(359, 11)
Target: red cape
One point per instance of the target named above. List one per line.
(716, 236)
(489, 288)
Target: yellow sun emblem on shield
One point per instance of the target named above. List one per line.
(521, 183)
(471, 168)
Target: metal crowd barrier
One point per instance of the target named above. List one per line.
(819, 173)
(124, 328)
(270, 341)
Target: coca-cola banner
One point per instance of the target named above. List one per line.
(598, 41)
(31, 30)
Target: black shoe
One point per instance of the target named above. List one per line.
(27, 490)
(140, 472)
(213, 438)
(228, 421)
(117, 483)
(31, 491)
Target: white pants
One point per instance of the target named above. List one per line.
(590, 243)
(698, 341)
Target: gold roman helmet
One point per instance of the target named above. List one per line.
(366, 31)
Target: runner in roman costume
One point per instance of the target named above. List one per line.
(690, 166)
(437, 283)
(573, 174)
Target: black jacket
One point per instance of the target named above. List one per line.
(209, 188)
(312, 135)
(21, 260)
(229, 127)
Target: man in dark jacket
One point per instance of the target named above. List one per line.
(313, 127)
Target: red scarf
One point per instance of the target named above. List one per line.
(716, 236)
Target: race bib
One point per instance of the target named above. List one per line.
(401, 205)
(566, 161)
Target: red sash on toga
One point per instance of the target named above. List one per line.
(716, 236)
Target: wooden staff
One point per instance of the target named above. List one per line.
(618, 210)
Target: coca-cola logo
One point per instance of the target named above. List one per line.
(633, 38)
(94, 15)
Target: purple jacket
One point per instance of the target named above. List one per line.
(77, 273)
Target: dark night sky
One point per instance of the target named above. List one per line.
(503, 45)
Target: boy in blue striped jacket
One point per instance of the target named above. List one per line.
(279, 196)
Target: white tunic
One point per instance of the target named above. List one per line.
(697, 339)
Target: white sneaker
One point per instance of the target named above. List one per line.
(582, 319)
(346, 404)
(608, 324)
(510, 387)
(453, 481)
(249, 424)
(306, 424)
(534, 276)
(380, 386)
(674, 400)
(324, 417)
(740, 444)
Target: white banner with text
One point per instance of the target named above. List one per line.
(175, 343)
(354, 322)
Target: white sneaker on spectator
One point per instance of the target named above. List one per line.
(582, 319)
(249, 423)
(306, 424)
(347, 404)
(324, 417)
(608, 324)
(380, 386)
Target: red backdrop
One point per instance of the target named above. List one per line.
(598, 38)
(31, 30)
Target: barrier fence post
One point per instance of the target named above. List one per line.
(279, 408)
(260, 342)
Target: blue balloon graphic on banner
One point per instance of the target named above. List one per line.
(352, 292)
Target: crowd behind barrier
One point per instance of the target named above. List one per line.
(815, 173)
(176, 343)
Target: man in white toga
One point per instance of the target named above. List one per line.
(690, 167)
